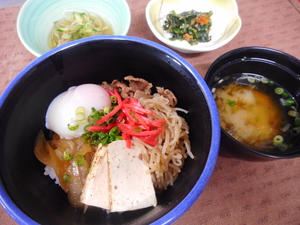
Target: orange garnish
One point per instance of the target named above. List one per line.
(202, 20)
(187, 37)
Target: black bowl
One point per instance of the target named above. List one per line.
(29, 196)
(270, 63)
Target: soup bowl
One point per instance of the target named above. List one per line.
(269, 64)
(32, 198)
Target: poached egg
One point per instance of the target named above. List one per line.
(72, 108)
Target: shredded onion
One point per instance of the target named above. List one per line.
(77, 24)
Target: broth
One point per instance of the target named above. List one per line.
(257, 112)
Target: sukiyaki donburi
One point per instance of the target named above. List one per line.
(115, 144)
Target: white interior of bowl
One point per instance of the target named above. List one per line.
(36, 19)
(226, 22)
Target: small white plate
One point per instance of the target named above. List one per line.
(226, 22)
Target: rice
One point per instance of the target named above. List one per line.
(49, 171)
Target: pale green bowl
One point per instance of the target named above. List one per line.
(36, 18)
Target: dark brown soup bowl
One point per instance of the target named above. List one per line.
(275, 65)
(32, 198)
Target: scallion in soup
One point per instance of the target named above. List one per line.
(257, 112)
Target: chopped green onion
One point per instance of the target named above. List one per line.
(278, 139)
(110, 120)
(271, 82)
(113, 99)
(73, 127)
(80, 116)
(295, 131)
(115, 130)
(95, 116)
(96, 138)
(285, 95)
(251, 79)
(86, 127)
(279, 90)
(264, 80)
(80, 109)
(283, 147)
(66, 178)
(231, 102)
(90, 119)
(107, 109)
(293, 113)
(289, 102)
(66, 155)
(79, 159)
(137, 129)
(133, 116)
(114, 134)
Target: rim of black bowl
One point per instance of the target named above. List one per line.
(11, 207)
(258, 53)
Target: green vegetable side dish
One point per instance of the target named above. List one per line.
(77, 25)
(192, 26)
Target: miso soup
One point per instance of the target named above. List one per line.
(257, 112)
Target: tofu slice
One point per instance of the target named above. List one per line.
(131, 183)
(119, 180)
(96, 188)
